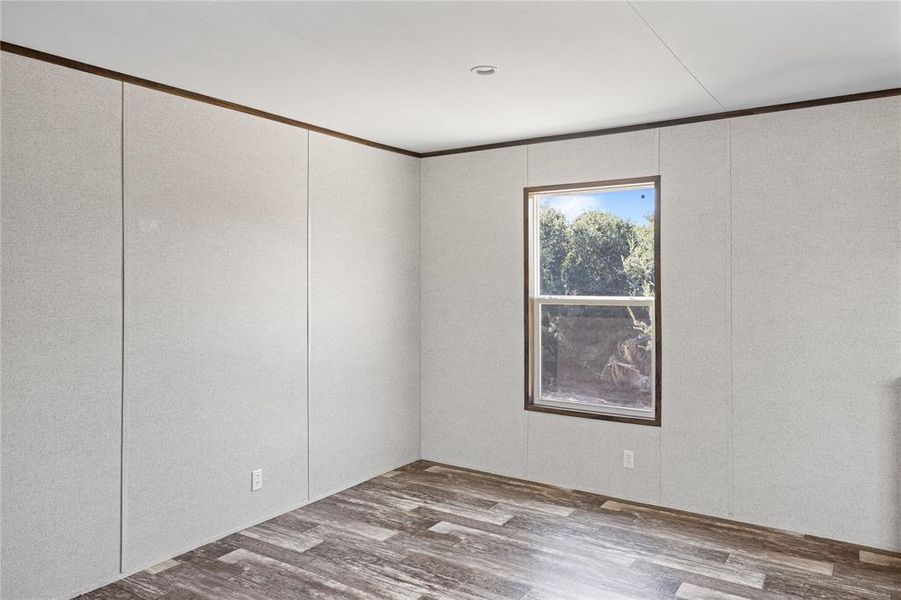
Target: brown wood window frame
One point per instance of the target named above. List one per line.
(530, 404)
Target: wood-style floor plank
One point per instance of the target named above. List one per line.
(428, 532)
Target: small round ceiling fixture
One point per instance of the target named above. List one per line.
(484, 70)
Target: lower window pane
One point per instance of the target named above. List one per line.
(597, 355)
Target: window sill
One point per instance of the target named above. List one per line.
(655, 422)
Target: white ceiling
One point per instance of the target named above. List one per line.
(398, 72)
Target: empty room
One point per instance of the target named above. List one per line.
(452, 300)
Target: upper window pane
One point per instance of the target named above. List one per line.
(597, 242)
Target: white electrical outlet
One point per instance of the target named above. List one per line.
(256, 480)
(628, 459)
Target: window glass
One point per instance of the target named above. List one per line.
(597, 355)
(597, 243)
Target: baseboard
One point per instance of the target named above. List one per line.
(489, 471)
(361, 480)
(676, 511)
(187, 548)
(230, 531)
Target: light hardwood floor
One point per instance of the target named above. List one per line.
(433, 531)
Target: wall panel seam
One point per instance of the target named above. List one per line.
(527, 465)
(122, 324)
(309, 298)
(729, 355)
(421, 304)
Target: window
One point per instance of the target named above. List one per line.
(592, 300)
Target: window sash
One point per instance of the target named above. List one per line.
(536, 300)
(598, 300)
(535, 305)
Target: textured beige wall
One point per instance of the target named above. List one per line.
(816, 247)
(215, 331)
(781, 327)
(364, 312)
(578, 452)
(695, 442)
(61, 329)
(215, 322)
(215, 231)
(472, 278)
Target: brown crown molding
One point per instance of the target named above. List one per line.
(745, 112)
(161, 87)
